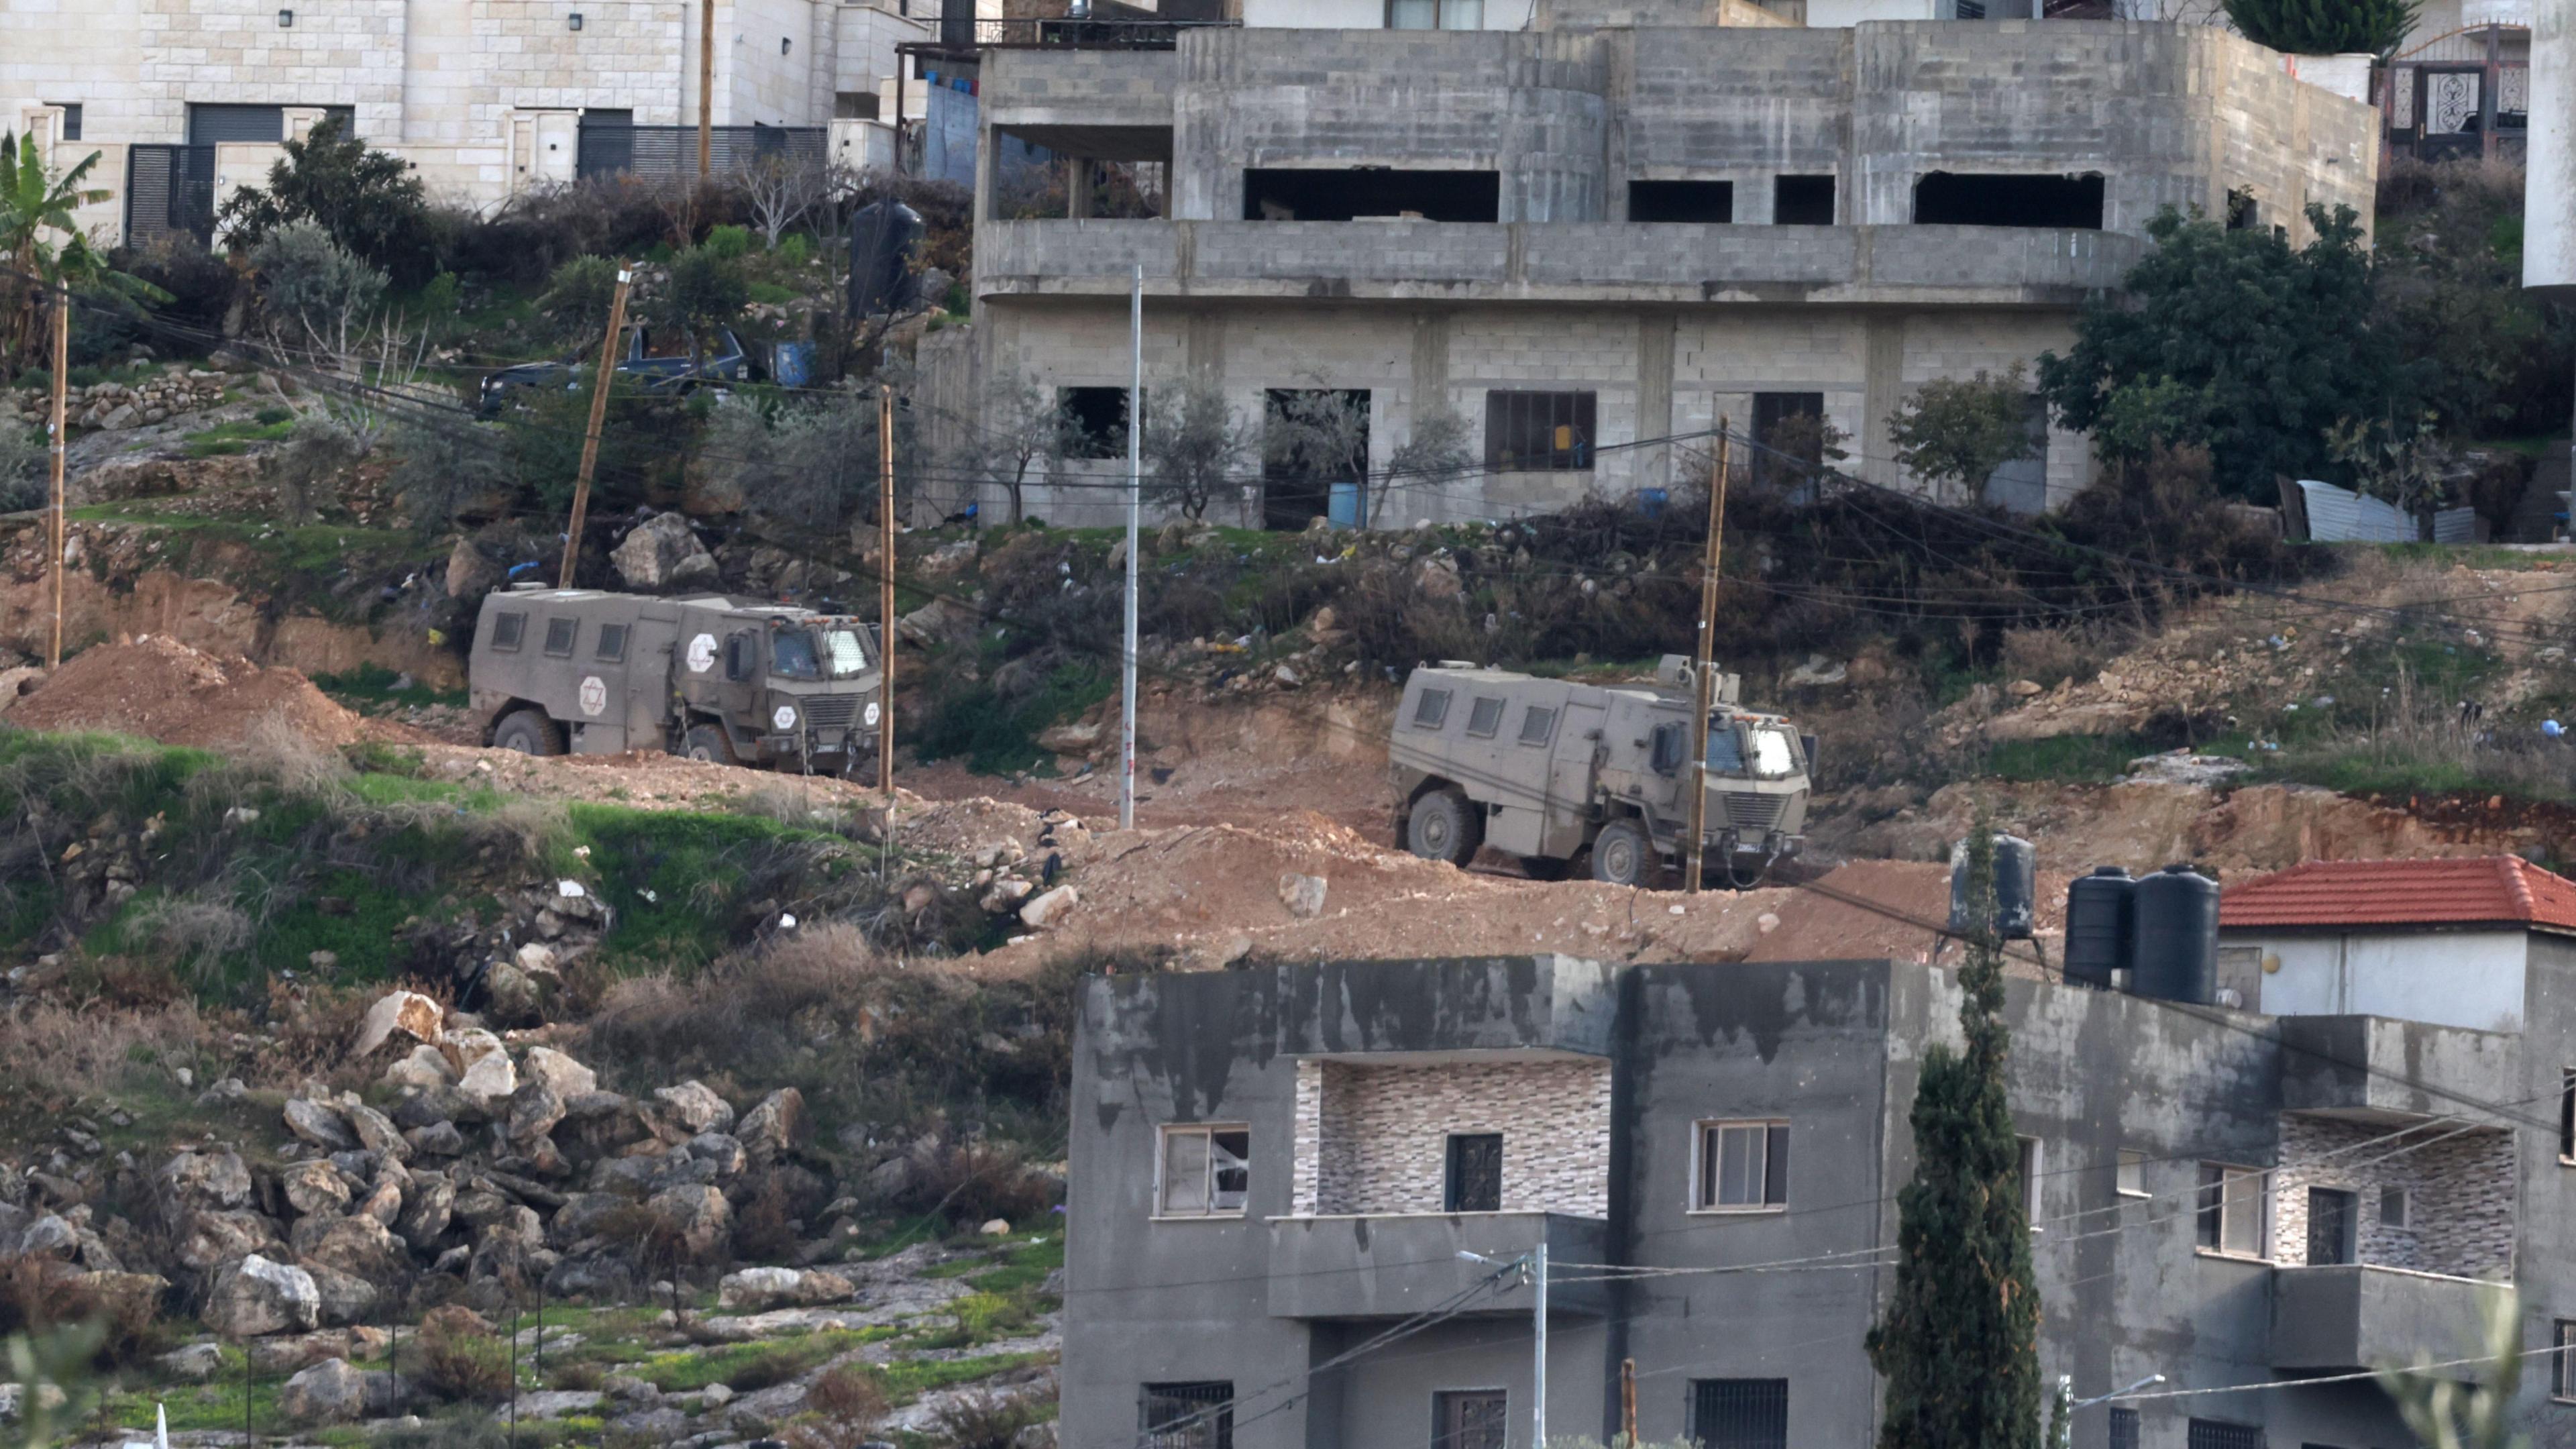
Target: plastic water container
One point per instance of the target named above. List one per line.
(1345, 506)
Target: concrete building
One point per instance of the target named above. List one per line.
(1273, 1167)
(1604, 226)
(185, 100)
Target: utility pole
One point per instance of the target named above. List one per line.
(58, 534)
(598, 415)
(1628, 1401)
(1693, 860)
(885, 595)
(1538, 1314)
(706, 87)
(1135, 505)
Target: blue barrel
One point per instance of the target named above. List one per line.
(791, 364)
(1346, 509)
(1651, 501)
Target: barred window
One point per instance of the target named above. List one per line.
(1187, 1416)
(2124, 1429)
(1540, 432)
(1740, 1413)
(2219, 1434)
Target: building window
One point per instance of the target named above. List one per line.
(2026, 1168)
(2332, 1221)
(1187, 1416)
(612, 644)
(560, 634)
(2231, 1210)
(2392, 1207)
(1206, 1172)
(1740, 1413)
(2567, 1115)
(1431, 709)
(507, 629)
(1435, 14)
(2219, 1434)
(1539, 432)
(71, 121)
(2240, 210)
(1485, 717)
(854, 105)
(2129, 1179)
(1710, 202)
(1743, 1166)
(2124, 1429)
(1095, 421)
(1802, 201)
(1537, 723)
(1475, 1182)
(1470, 1419)
(1950, 198)
(2562, 1363)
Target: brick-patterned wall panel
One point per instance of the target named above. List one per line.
(1381, 1136)
(2459, 1193)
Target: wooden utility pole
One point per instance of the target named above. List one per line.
(1628, 1400)
(598, 415)
(58, 534)
(706, 86)
(885, 595)
(1693, 856)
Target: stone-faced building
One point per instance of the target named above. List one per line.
(1271, 1168)
(1612, 225)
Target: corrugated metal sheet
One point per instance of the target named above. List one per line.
(2339, 515)
(2456, 525)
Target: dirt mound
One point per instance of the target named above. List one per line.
(164, 690)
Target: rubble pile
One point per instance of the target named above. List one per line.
(160, 688)
(115, 406)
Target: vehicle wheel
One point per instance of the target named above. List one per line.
(1545, 867)
(1444, 827)
(1623, 855)
(707, 743)
(529, 732)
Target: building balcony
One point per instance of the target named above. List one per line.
(1394, 1265)
(2354, 1316)
(1579, 262)
(2374, 1069)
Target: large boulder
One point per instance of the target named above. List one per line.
(315, 1187)
(319, 1124)
(754, 1289)
(376, 1132)
(769, 1129)
(346, 1298)
(583, 1215)
(426, 1210)
(489, 1082)
(698, 1216)
(208, 1240)
(400, 1015)
(662, 555)
(560, 1074)
(195, 1363)
(213, 1179)
(49, 1237)
(690, 1108)
(534, 1111)
(424, 1067)
(597, 1125)
(333, 1392)
(361, 1247)
(256, 1297)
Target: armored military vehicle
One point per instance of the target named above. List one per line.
(714, 678)
(1554, 772)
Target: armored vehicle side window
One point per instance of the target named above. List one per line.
(560, 634)
(1725, 751)
(612, 643)
(1537, 723)
(1670, 748)
(1431, 709)
(1485, 718)
(740, 660)
(506, 629)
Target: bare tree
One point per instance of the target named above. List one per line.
(783, 190)
(1020, 432)
(1437, 452)
(1193, 445)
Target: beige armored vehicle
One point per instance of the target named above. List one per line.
(709, 677)
(1554, 772)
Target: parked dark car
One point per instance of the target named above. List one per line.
(665, 367)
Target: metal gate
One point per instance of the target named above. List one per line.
(670, 151)
(169, 192)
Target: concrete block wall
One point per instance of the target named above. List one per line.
(2460, 1192)
(1373, 1139)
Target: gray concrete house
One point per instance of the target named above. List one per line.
(1272, 1167)
(1616, 223)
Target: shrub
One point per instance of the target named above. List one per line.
(984, 1421)
(580, 1376)
(25, 479)
(38, 1295)
(311, 280)
(706, 290)
(2325, 27)
(795, 251)
(847, 1394)
(367, 201)
(732, 243)
(461, 1358)
(974, 1181)
(577, 296)
(201, 286)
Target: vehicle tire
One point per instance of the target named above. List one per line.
(1443, 826)
(707, 743)
(529, 732)
(1546, 867)
(1622, 854)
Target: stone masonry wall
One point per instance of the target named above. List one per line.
(2459, 1194)
(1375, 1139)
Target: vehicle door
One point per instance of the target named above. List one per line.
(1573, 773)
(743, 665)
(649, 645)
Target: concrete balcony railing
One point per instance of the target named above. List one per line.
(2355, 1316)
(1394, 1265)
(2375, 1068)
(1556, 261)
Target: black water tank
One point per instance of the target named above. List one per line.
(885, 238)
(2016, 887)
(2098, 924)
(2173, 936)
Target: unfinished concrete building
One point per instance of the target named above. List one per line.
(1600, 231)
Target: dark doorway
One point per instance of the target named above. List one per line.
(1475, 1172)
(1311, 439)
(1802, 201)
(1095, 421)
(2332, 1216)
(1788, 435)
(2071, 203)
(1341, 195)
(1702, 201)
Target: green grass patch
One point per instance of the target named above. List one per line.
(226, 439)
(773, 294)
(2066, 759)
(909, 1380)
(994, 740)
(671, 874)
(746, 1366)
(374, 684)
(319, 551)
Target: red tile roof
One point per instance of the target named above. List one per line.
(2479, 890)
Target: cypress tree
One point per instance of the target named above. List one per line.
(1959, 1345)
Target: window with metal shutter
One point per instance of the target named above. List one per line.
(209, 125)
(1740, 1413)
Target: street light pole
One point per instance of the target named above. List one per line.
(2119, 1393)
(1135, 506)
